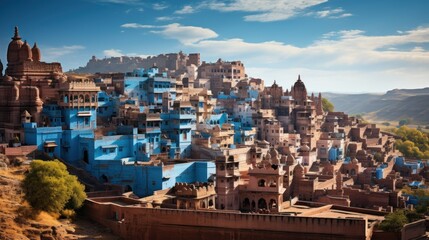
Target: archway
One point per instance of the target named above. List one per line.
(211, 203)
(273, 204)
(246, 204)
(261, 183)
(85, 156)
(262, 204)
(104, 179)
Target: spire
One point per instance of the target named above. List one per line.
(299, 77)
(319, 107)
(36, 53)
(16, 36)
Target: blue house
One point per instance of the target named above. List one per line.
(177, 124)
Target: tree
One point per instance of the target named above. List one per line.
(49, 187)
(393, 222)
(327, 105)
(413, 143)
(403, 122)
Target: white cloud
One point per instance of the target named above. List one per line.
(350, 49)
(264, 10)
(185, 10)
(118, 53)
(113, 53)
(186, 34)
(330, 13)
(136, 25)
(159, 6)
(125, 2)
(417, 49)
(168, 18)
(53, 53)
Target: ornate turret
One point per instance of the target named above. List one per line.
(25, 53)
(37, 56)
(14, 48)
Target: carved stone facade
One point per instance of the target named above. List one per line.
(27, 83)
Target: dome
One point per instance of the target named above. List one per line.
(36, 53)
(25, 53)
(14, 47)
(299, 90)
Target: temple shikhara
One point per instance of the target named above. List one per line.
(202, 148)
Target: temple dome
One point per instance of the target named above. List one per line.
(37, 56)
(13, 50)
(25, 53)
(299, 90)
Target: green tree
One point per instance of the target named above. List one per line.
(413, 143)
(327, 105)
(403, 122)
(49, 187)
(393, 222)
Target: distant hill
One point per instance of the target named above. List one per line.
(394, 105)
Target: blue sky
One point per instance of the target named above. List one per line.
(336, 45)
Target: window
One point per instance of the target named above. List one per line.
(111, 150)
(121, 148)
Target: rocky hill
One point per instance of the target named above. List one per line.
(394, 105)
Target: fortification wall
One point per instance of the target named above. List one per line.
(144, 223)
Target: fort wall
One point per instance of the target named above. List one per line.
(131, 222)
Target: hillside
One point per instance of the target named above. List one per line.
(19, 221)
(394, 105)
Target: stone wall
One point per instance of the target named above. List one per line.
(144, 223)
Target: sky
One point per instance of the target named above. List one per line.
(349, 46)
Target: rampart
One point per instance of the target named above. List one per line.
(134, 222)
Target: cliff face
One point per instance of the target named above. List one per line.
(165, 62)
(394, 105)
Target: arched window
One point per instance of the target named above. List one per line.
(87, 98)
(273, 203)
(81, 98)
(261, 183)
(273, 183)
(246, 204)
(262, 204)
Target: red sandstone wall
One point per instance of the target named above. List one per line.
(146, 223)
